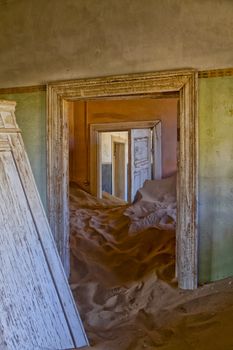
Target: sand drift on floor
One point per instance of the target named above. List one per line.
(123, 282)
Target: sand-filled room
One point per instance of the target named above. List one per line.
(118, 240)
(116, 163)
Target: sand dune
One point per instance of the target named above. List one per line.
(125, 288)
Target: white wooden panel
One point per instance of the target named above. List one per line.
(31, 315)
(37, 310)
(140, 158)
(48, 245)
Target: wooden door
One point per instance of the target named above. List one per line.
(119, 169)
(140, 158)
(37, 310)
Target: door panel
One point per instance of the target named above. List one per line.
(140, 158)
(25, 268)
(37, 310)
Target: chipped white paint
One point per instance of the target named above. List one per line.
(37, 310)
(140, 159)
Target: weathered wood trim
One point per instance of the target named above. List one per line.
(125, 126)
(187, 191)
(214, 73)
(184, 82)
(5, 104)
(9, 130)
(22, 89)
(223, 72)
(12, 142)
(155, 96)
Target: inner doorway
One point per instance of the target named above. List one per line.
(126, 159)
(149, 153)
(183, 83)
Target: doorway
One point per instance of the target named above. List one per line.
(125, 159)
(181, 83)
(143, 156)
(119, 170)
(113, 167)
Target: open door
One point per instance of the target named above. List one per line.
(140, 158)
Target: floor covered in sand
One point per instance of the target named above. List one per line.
(123, 282)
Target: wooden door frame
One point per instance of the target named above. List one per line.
(95, 129)
(137, 85)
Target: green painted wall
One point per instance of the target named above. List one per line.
(215, 162)
(31, 118)
(216, 178)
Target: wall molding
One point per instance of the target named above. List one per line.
(22, 89)
(215, 73)
(211, 73)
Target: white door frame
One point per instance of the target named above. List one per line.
(134, 85)
(95, 149)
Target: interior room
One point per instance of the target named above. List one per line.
(128, 234)
(116, 157)
(83, 114)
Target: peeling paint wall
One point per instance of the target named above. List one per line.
(31, 118)
(216, 177)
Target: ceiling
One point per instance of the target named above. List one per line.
(49, 40)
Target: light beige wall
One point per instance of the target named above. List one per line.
(106, 144)
(52, 40)
(95, 112)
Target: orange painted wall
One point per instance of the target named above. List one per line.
(109, 111)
